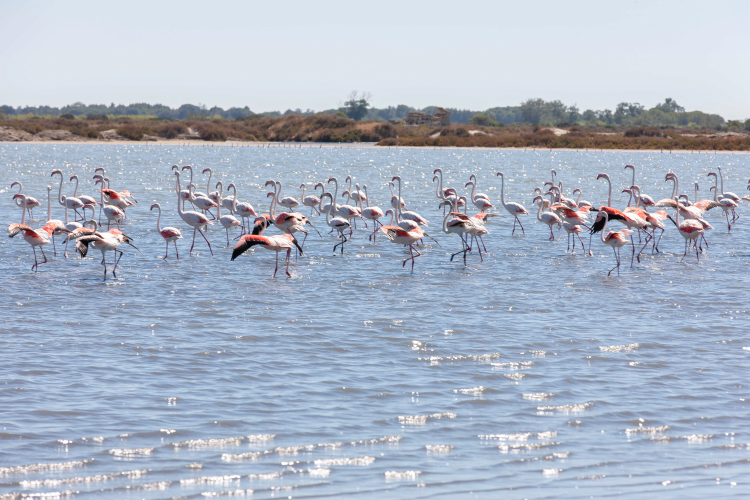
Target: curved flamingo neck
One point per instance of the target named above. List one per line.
(158, 220)
(49, 204)
(179, 201)
(59, 195)
(441, 194)
(335, 194)
(502, 189)
(75, 191)
(234, 198)
(722, 181)
(208, 185)
(303, 192)
(604, 228)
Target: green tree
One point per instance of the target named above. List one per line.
(531, 110)
(670, 106)
(356, 106)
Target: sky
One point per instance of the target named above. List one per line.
(474, 55)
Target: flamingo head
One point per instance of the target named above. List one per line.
(548, 183)
(97, 169)
(437, 170)
(319, 185)
(627, 191)
(629, 166)
(576, 190)
(345, 193)
(712, 188)
(269, 195)
(187, 167)
(711, 173)
(219, 184)
(19, 196)
(332, 179)
(90, 204)
(155, 205)
(554, 172)
(450, 191)
(270, 183)
(469, 184)
(18, 184)
(462, 198)
(73, 177)
(389, 211)
(500, 174)
(442, 204)
(56, 171)
(175, 167)
(98, 181)
(473, 176)
(208, 169)
(396, 177)
(697, 186)
(348, 178)
(231, 185)
(602, 176)
(301, 186)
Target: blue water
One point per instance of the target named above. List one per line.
(531, 374)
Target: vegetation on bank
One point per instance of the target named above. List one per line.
(357, 107)
(326, 128)
(573, 137)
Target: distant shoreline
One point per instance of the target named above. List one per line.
(328, 145)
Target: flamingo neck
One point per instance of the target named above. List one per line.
(502, 188)
(179, 201)
(208, 186)
(609, 196)
(604, 228)
(722, 181)
(158, 220)
(49, 205)
(59, 193)
(75, 191)
(367, 198)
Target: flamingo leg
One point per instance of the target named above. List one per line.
(288, 251)
(482, 240)
(54, 250)
(207, 243)
(175, 250)
(277, 265)
(632, 256)
(582, 247)
(696, 255)
(617, 261)
(193, 245)
(166, 252)
(514, 227)
(574, 244)
(551, 234)
(117, 261)
(519, 223)
(686, 249)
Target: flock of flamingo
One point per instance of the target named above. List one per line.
(405, 228)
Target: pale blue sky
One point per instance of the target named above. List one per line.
(279, 55)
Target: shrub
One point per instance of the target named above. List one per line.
(89, 132)
(386, 130)
(67, 116)
(211, 132)
(132, 132)
(644, 132)
(170, 130)
(103, 118)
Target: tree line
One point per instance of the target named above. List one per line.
(532, 111)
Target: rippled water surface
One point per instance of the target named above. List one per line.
(529, 375)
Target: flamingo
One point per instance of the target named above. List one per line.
(549, 218)
(371, 213)
(396, 201)
(111, 212)
(277, 243)
(81, 231)
(123, 194)
(727, 194)
(184, 194)
(336, 223)
(614, 240)
(408, 215)
(689, 229)
(581, 203)
(200, 200)
(104, 242)
(88, 201)
(323, 208)
(447, 194)
(68, 202)
(288, 222)
(655, 220)
(191, 218)
(243, 209)
(228, 203)
(630, 220)
(347, 212)
(287, 201)
(194, 193)
(725, 202)
(514, 209)
(228, 221)
(646, 200)
(34, 237)
(212, 195)
(726, 205)
(30, 202)
(170, 234)
(58, 224)
(355, 195)
(456, 225)
(480, 202)
(311, 201)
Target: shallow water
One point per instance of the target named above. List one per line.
(528, 375)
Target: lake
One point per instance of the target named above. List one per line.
(531, 374)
